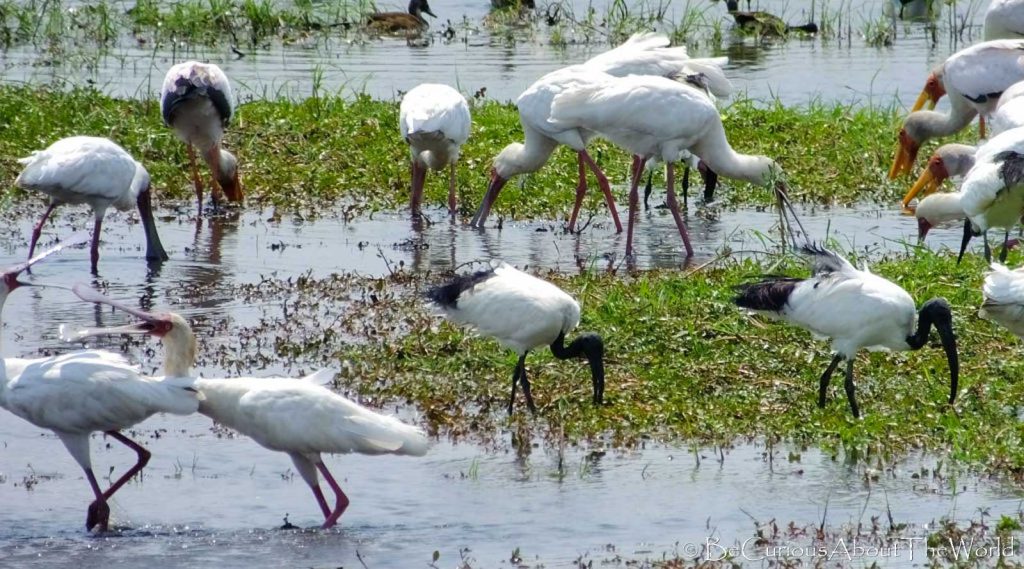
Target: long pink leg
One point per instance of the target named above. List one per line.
(602, 181)
(419, 178)
(673, 206)
(634, 200)
(322, 501)
(38, 229)
(213, 159)
(581, 191)
(451, 190)
(99, 511)
(197, 181)
(94, 253)
(342, 499)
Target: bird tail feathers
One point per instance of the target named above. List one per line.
(770, 294)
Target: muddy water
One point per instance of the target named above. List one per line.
(796, 71)
(207, 500)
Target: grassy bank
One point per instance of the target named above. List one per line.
(684, 364)
(326, 150)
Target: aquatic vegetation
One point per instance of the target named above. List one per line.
(326, 149)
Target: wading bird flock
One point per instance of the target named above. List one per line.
(645, 96)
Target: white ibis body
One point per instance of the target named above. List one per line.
(77, 394)
(299, 417)
(522, 313)
(93, 171)
(196, 101)
(856, 310)
(434, 121)
(974, 78)
(1004, 298)
(654, 117)
(642, 54)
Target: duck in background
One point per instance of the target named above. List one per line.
(764, 23)
(402, 22)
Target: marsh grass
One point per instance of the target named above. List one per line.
(684, 365)
(326, 149)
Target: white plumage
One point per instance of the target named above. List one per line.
(974, 78)
(1004, 19)
(993, 190)
(93, 171)
(1004, 298)
(434, 121)
(1009, 113)
(196, 100)
(938, 209)
(642, 54)
(521, 312)
(295, 416)
(654, 117)
(83, 392)
(855, 309)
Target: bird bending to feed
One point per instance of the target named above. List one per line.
(434, 121)
(94, 171)
(196, 101)
(764, 23)
(397, 22)
(654, 117)
(993, 190)
(299, 417)
(948, 161)
(1004, 298)
(937, 209)
(641, 54)
(974, 78)
(521, 312)
(82, 392)
(856, 310)
(1004, 19)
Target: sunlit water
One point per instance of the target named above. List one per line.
(797, 71)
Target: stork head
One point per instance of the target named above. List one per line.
(933, 90)
(906, 149)
(227, 176)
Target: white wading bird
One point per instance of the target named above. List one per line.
(521, 312)
(299, 417)
(93, 171)
(1004, 298)
(974, 77)
(856, 310)
(642, 54)
(993, 190)
(434, 121)
(1004, 19)
(654, 117)
(77, 394)
(196, 101)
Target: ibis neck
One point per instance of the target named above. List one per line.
(589, 346)
(937, 313)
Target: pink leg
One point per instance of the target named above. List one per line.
(197, 181)
(634, 200)
(451, 190)
(419, 178)
(213, 159)
(322, 501)
(38, 229)
(673, 206)
(342, 499)
(581, 191)
(143, 459)
(94, 253)
(99, 511)
(602, 181)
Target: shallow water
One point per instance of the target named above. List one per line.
(796, 71)
(208, 501)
